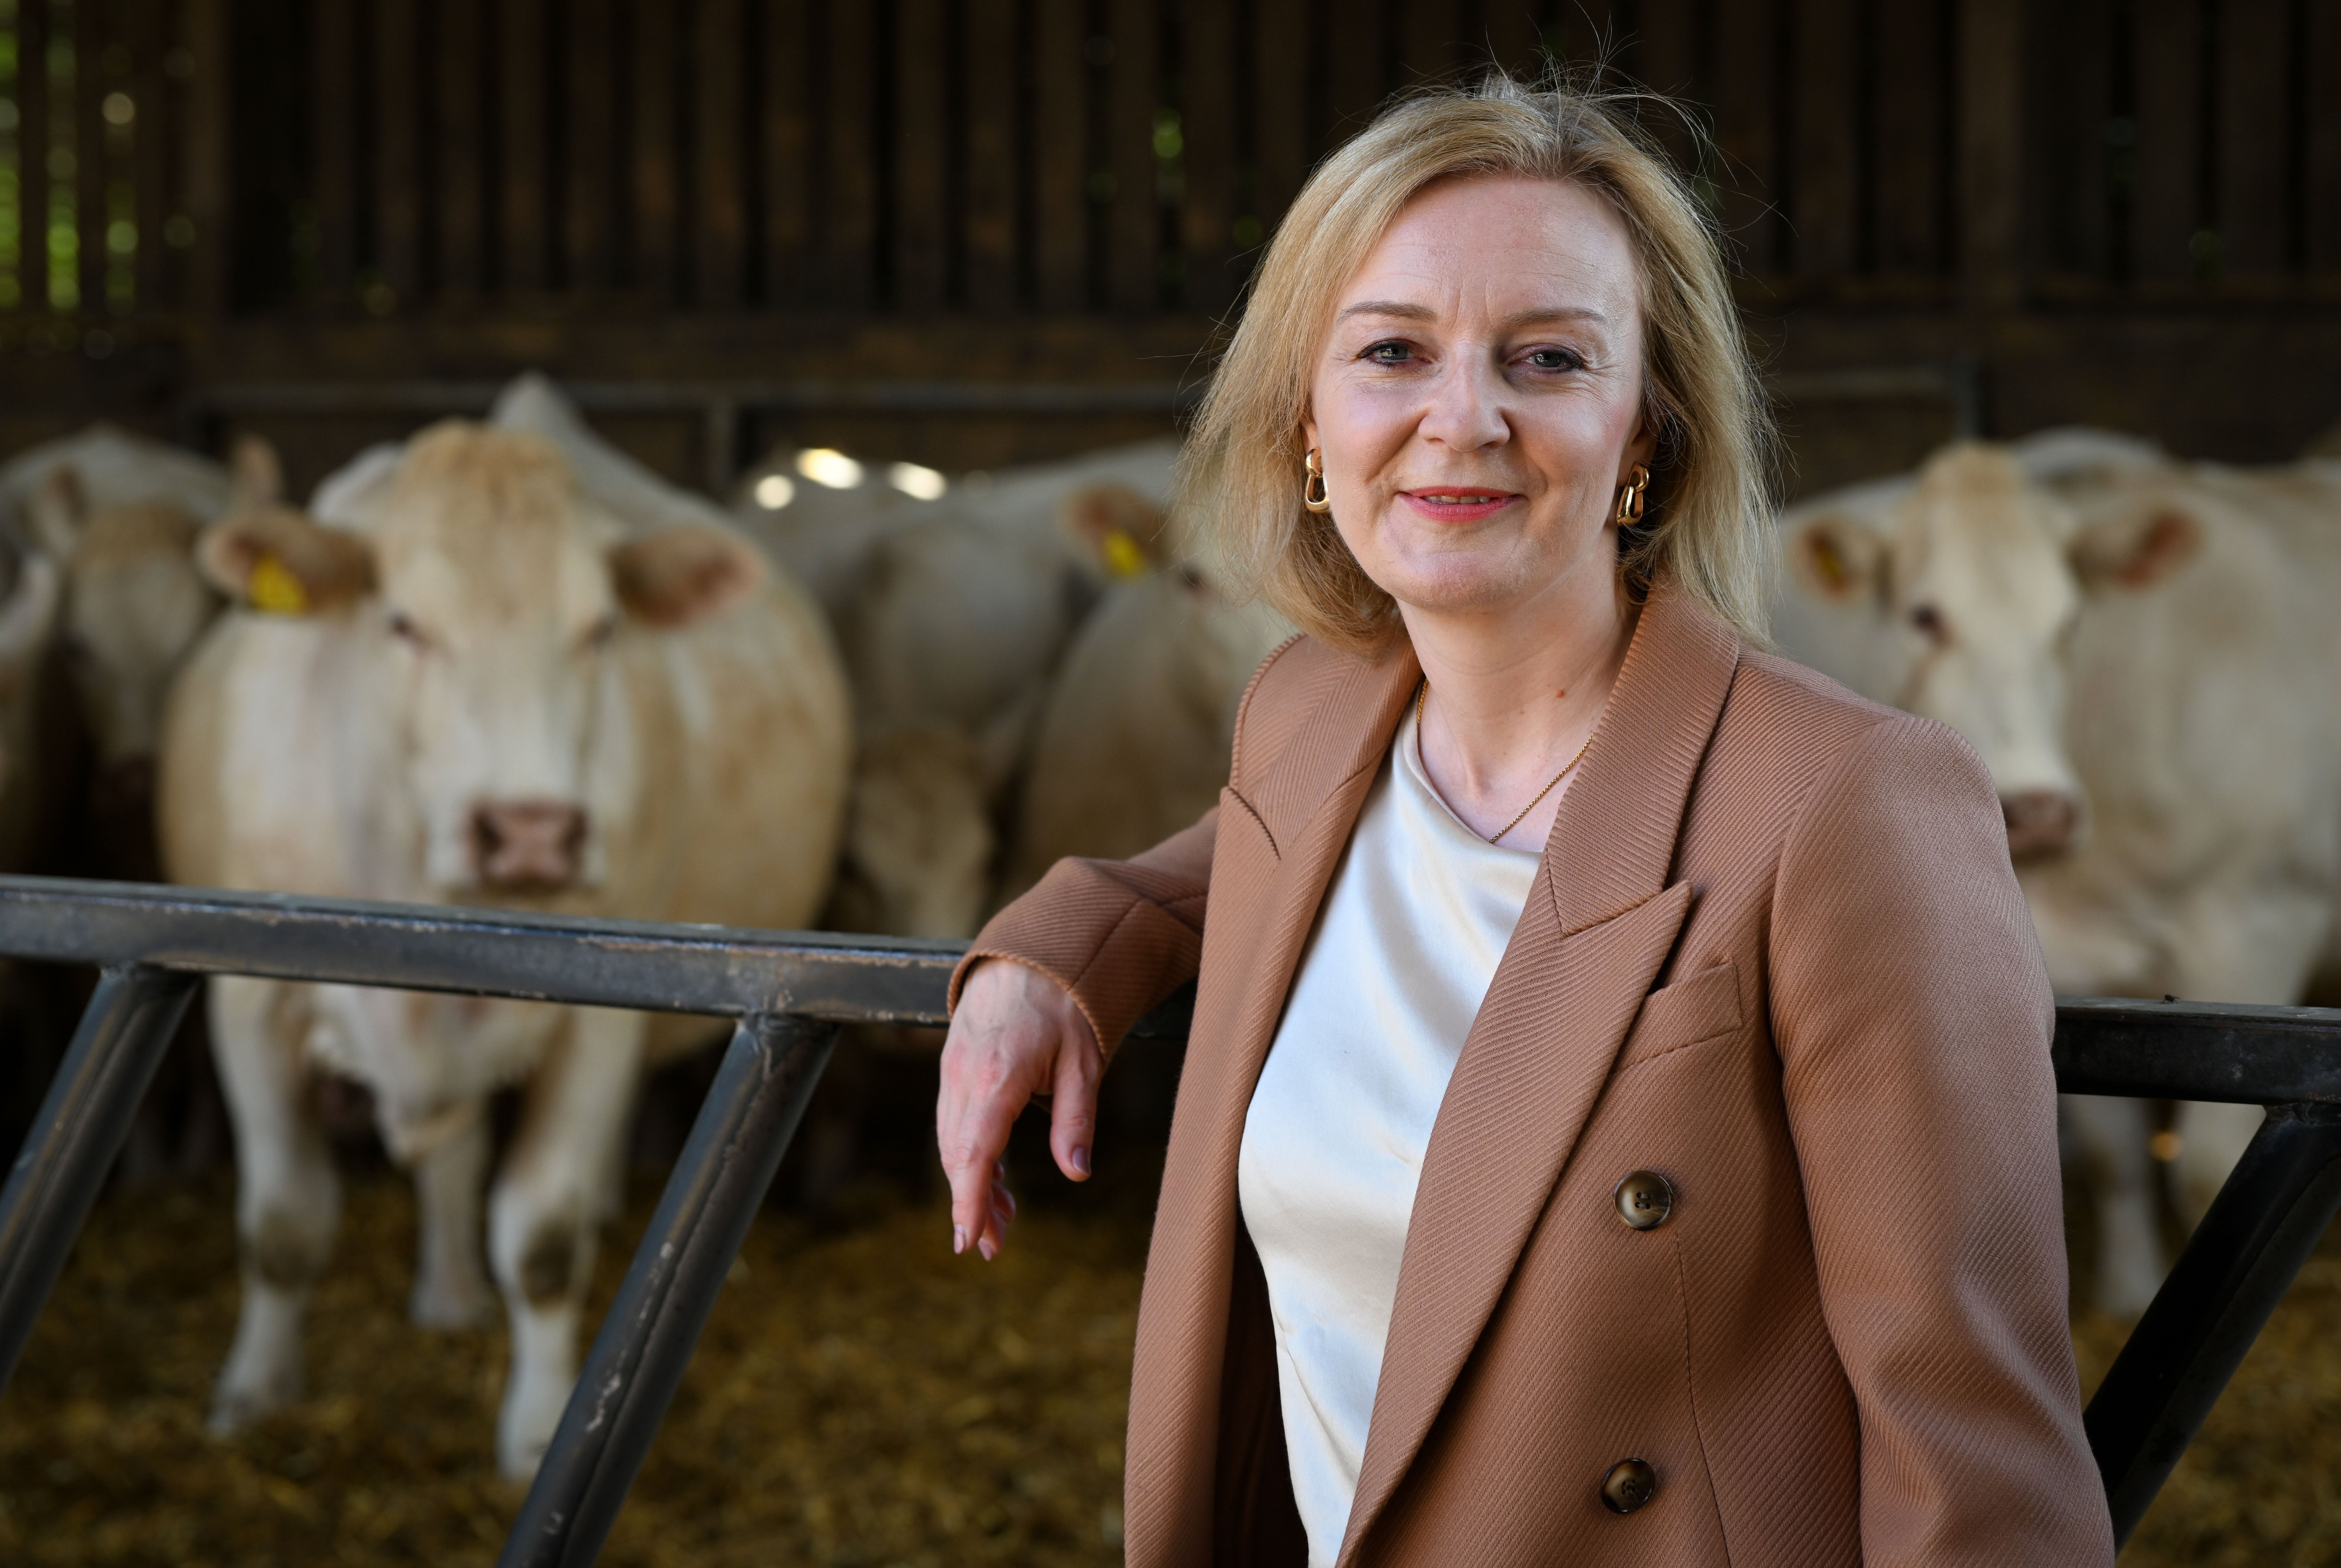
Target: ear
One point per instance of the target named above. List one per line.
(1836, 558)
(256, 478)
(684, 573)
(1122, 529)
(57, 508)
(2136, 552)
(280, 561)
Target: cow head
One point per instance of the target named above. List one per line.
(1975, 577)
(498, 604)
(134, 604)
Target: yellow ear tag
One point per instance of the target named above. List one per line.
(1124, 556)
(275, 590)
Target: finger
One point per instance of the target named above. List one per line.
(971, 1134)
(1072, 1109)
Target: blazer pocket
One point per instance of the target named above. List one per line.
(1684, 1014)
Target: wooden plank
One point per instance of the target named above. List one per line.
(2322, 169)
(1991, 150)
(2068, 109)
(1279, 110)
(657, 203)
(1825, 94)
(523, 250)
(1427, 43)
(334, 126)
(720, 202)
(32, 154)
(1061, 80)
(209, 154)
(990, 157)
(921, 237)
(1207, 117)
(785, 114)
(1912, 166)
(590, 81)
(1668, 64)
(1134, 217)
(2255, 59)
(2167, 76)
(151, 143)
(458, 77)
(1747, 49)
(1511, 38)
(398, 178)
(850, 204)
(92, 82)
(1356, 49)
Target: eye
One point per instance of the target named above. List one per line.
(1929, 621)
(1390, 353)
(598, 636)
(401, 627)
(1555, 359)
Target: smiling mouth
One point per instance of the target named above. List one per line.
(1461, 502)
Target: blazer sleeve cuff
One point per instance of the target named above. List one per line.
(1103, 930)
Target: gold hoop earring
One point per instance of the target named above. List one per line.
(1631, 496)
(1313, 493)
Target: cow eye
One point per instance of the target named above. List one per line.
(1928, 620)
(599, 633)
(401, 627)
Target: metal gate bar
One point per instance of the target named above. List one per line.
(789, 989)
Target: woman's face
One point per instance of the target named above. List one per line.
(1477, 401)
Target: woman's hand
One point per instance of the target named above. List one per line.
(1016, 1037)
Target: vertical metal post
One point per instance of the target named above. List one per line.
(2260, 1228)
(83, 1121)
(638, 1359)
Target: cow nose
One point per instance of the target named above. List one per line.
(2040, 822)
(526, 844)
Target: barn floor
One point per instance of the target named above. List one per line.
(862, 1397)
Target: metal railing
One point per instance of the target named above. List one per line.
(789, 990)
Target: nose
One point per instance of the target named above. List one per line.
(521, 844)
(2040, 822)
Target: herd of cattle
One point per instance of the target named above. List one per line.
(500, 661)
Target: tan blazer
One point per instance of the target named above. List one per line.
(1776, 955)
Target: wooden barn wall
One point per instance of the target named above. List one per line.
(2125, 211)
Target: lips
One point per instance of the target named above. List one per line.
(1459, 503)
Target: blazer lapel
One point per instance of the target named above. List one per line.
(1598, 928)
(1264, 901)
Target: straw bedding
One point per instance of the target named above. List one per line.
(860, 1397)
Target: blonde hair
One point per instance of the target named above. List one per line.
(1709, 505)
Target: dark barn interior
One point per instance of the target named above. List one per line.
(969, 234)
(967, 231)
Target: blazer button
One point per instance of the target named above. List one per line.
(1630, 1483)
(1645, 1198)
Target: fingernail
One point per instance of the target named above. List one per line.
(1080, 1162)
(987, 1247)
(959, 1240)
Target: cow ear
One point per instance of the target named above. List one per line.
(56, 509)
(280, 561)
(256, 476)
(1122, 529)
(684, 573)
(1836, 558)
(2137, 551)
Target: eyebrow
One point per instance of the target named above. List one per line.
(1404, 311)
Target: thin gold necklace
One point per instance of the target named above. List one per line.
(1422, 695)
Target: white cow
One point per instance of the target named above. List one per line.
(2140, 653)
(953, 614)
(478, 680)
(1134, 742)
(120, 513)
(31, 586)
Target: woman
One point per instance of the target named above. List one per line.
(1685, 1193)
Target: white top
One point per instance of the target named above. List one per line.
(1403, 949)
